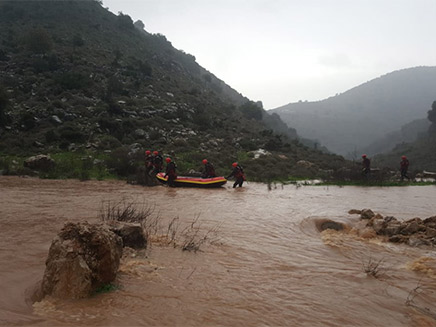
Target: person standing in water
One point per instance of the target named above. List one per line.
(366, 165)
(209, 170)
(404, 166)
(238, 173)
(157, 162)
(170, 172)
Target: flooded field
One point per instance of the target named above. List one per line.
(267, 265)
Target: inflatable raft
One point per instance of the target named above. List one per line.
(185, 181)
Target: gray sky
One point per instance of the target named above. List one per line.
(282, 51)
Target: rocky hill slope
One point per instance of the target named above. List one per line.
(351, 121)
(76, 78)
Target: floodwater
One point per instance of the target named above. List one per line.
(267, 263)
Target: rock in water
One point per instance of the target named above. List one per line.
(132, 234)
(82, 258)
(322, 225)
(366, 214)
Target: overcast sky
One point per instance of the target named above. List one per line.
(282, 51)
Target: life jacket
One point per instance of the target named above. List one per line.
(404, 164)
(209, 170)
(239, 172)
(366, 163)
(171, 169)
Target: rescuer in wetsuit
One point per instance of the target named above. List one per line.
(157, 162)
(209, 170)
(404, 166)
(170, 172)
(148, 162)
(366, 166)
(238, 173)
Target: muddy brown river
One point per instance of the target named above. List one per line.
(267, 264)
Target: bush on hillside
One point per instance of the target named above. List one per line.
(251, 110)
(72, 81)
(38, 41)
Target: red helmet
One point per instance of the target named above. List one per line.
(155, 153)
(148, 152)
(204, 161)
(403, 157)
(363, 155)
(234, 164)
(168, 160)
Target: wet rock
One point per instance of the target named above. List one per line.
(82, 258)
(355, 212)
(330, 224)
(430, 232)
(430, 222)
(377, 224)
(378, 216)
(40, 162)
(399, 239)
(132, 234)
(391, 229)
(367, 214)
(418, 240)
(411, 227)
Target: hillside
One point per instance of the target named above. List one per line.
(421, 152)
(351, 121)
(406, 134)
(75, 78)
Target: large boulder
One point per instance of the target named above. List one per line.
(82, 258)
(40, 162)
(132, 234)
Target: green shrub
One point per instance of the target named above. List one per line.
(71, 81)
(70, 133)
(27, 121)
(51, 136)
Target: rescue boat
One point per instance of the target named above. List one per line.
(186, 181)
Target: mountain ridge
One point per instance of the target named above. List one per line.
(380, 106)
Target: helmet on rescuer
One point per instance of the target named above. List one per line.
(155, 153)
(234, 164)
(147, 152)
(363, 155)
(403, 157)
(204, 161)
(168, 160)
